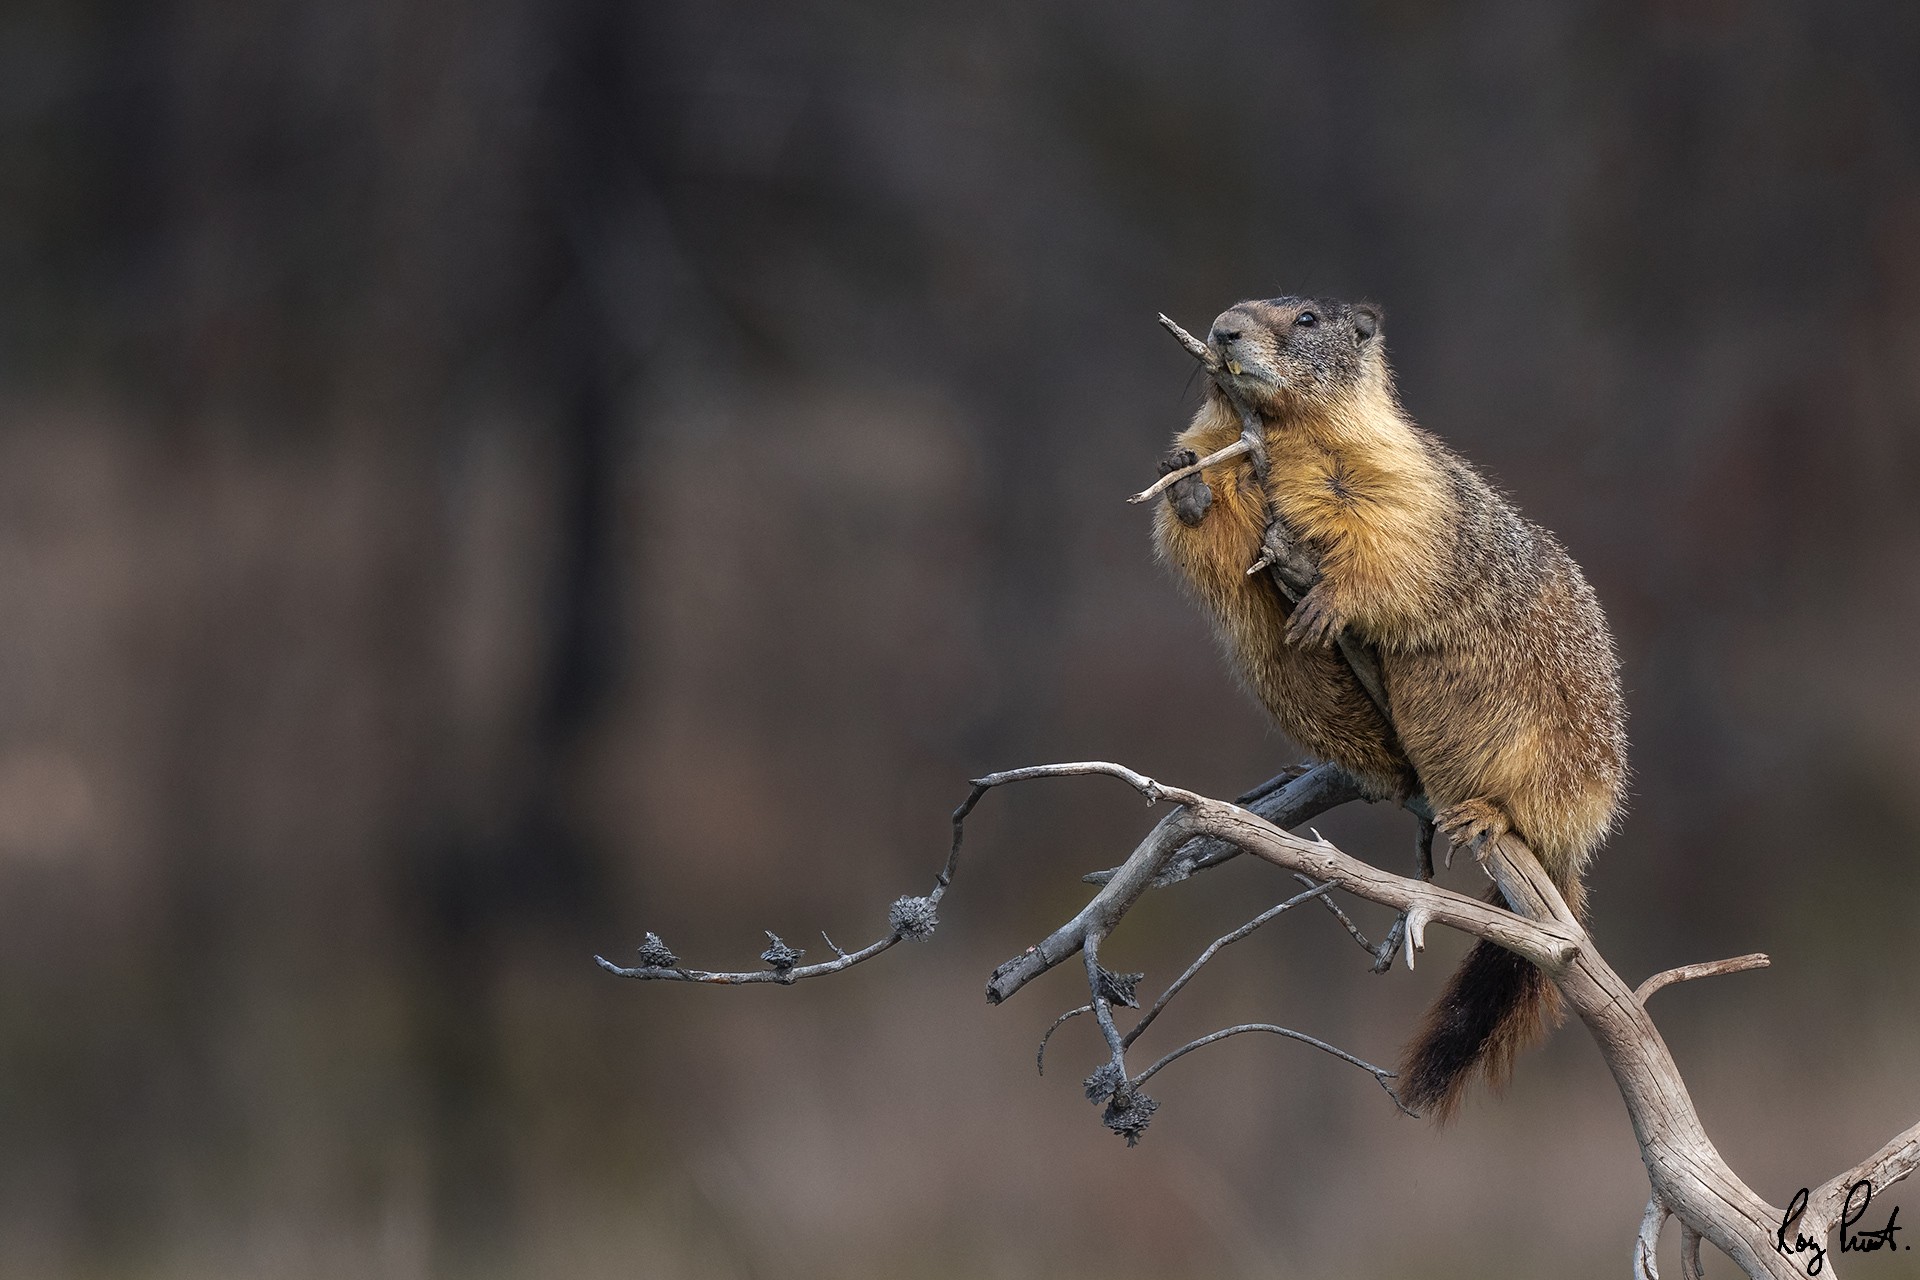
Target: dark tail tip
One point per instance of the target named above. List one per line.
(1495, 1005)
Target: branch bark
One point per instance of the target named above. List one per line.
(1306, 797)
(1689, 1178)
(1688, 972)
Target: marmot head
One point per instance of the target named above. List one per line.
(1300, 353)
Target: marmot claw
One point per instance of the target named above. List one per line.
(1472, 825)
(1315, 622)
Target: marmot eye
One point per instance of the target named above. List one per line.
(1306, 319)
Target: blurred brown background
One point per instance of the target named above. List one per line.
(479, 482)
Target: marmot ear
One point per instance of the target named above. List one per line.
(1366, 321)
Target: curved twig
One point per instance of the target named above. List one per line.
(1040, 1055)
(1380, 1074)
(1705, 969)
(913, 919)
(1102, 1007)
(1238, 448)
(1690, 1268)
(1646, 1245)
(786, 976)
(1198, 349)
(1225, 940)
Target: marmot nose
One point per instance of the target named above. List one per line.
(1224, 336)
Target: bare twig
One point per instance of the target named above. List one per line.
(1346, 921)
(1380, 1074)
(1040, 1056)
(1706, 969)
(1646, 1246)
(1252, 427)
(1200, 350)
(785, 976)
(1690, 1268)
(1239, 448)
(911, 920)
(1103, 1007)
(1225, 940)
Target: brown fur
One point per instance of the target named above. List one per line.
(1498, 668)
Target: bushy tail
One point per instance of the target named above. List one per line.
(1495, 1005)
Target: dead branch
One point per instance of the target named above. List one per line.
(1304, 798)
(1707, 969)
(1286, 800)
(1690, 1180)
(1878, 1171)
(1214, 949)
(1239, 448)
(1380, 1075)
(1690, 1268)
(1646, 1246)
(1040, 1056)
(909, 919)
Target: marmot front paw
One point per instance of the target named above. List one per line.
(1188, 496)
(1280, 549)
(1314, 622)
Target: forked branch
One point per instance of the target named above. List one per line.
(1689, 1178)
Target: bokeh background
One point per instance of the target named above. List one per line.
(482, 481)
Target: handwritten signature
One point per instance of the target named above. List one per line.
(1850, 1241)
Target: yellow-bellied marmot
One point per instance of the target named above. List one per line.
(1500, 675)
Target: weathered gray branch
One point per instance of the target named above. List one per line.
(1879, 1171)
(910, 920)
(1707, 969)
(1689, 1178)
(1286, 800)
(1299, 800)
